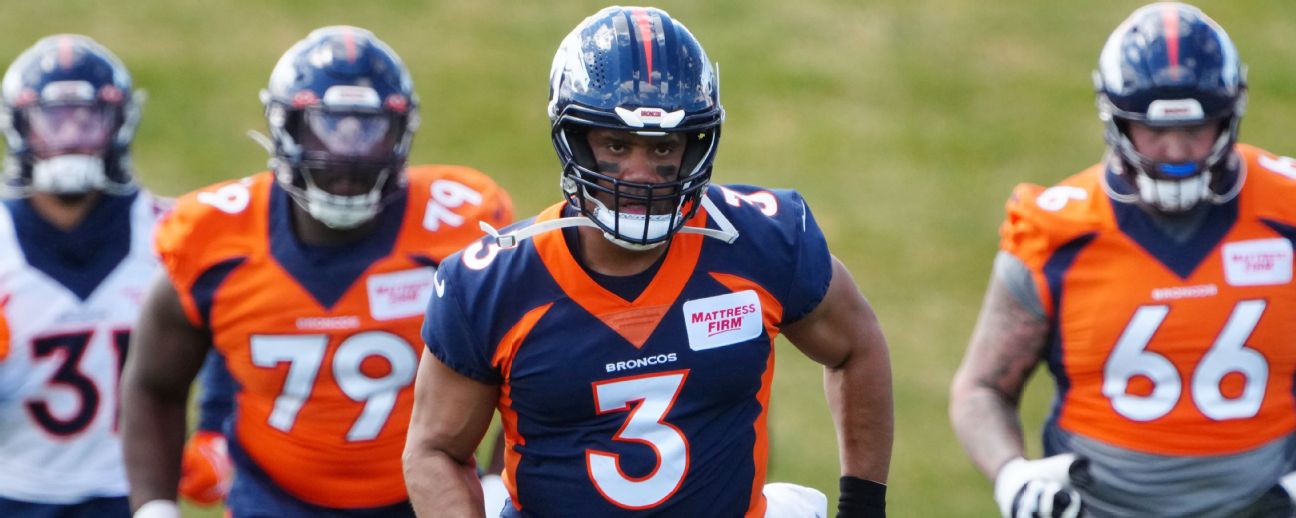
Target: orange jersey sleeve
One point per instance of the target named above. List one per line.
(448, 201)
(205, 228)
(1039, 220)
(1279, 176)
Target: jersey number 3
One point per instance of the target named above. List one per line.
(305, 354)
(648, 398)
(1227, 355)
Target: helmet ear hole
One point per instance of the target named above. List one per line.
(1122, 126)
(696, 147)
(578, 140)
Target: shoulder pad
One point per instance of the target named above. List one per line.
(1037, 220)
(1270, 184)
(446, 204)
(211, 225)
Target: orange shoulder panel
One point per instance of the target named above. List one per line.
(1038, 220)
(210, 225)
(446, 202)
(1019, 234)
(1270, 185)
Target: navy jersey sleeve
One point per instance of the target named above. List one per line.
(812, 270)
(216, 398)
(448, 330)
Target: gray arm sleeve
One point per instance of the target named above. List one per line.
(1014, 274)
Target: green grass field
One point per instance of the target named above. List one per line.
(904, 122)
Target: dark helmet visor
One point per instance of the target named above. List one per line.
(60, 129)
(349, 135)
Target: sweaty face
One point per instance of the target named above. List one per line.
(643, 159)
(1175, 144)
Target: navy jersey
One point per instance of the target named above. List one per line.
(652, 406)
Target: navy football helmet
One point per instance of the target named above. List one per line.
(1170, 65)
(634, 69)
(69, 117)
(342, 113)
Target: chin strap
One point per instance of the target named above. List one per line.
(726, 232)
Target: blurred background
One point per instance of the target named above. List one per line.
(904, 122)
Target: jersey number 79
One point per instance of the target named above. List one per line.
(305, 355)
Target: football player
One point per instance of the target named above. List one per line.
(309, 280)
(626, 334)
(1157, 287)
(75, 261)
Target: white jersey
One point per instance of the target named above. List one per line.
(71, 301)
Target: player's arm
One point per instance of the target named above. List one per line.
(1005, 348)
(205, 471)
(843, 334)
(166, 351)
(1006, 345)
(451, 414)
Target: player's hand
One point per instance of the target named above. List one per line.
(205, 472)
(1038, 488)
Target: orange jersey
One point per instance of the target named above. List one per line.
(4, 336)
(1165, 347)
(323, 341)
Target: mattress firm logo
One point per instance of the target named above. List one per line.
(400, 294)
(722, 320)
(1258, 262)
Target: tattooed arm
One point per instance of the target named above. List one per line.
(1006, 345)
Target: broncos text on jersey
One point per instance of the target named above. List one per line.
(323, 342)
(1163, 346)
(655, 405)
